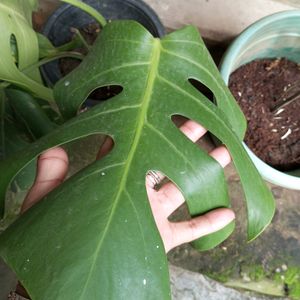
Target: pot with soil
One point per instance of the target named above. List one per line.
(262, 69)
(66, 19)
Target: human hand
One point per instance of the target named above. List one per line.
(52, 168)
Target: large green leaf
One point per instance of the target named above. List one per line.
(94, 237)
(13, 138)
(19, 47)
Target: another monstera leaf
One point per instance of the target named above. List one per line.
(94, 237)
(19, 47)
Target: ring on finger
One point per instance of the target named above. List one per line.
(154, 178)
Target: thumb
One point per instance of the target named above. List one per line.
(52, 167)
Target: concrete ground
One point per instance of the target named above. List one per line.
(218, 21)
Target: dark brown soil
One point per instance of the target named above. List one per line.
(89, 33)
(66, 65)
(268, 92)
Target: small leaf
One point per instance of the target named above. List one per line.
(29, 113)
(17, 33)
(47, 50)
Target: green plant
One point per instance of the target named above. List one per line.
(19, 48)
(94, 237)
(257, 273)
(24, 50)
(27, 106)
(291, 279)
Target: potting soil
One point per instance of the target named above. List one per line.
(268, 92)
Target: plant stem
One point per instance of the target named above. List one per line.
(89, 10)
(74, 43)
(81, 38)
(54, 57)
(2, 113)
(284, 103)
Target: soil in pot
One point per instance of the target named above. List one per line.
(268, 92)
(66, 65)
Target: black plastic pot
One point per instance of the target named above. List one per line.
(57, 28)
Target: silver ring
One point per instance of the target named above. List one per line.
(154, 178)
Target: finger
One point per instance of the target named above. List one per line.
(221, 155)
(106, 147)
(195, 228)
(166, 200)
(190, 129)
(52, 167)
(168, 196)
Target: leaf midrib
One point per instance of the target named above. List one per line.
(153, 67)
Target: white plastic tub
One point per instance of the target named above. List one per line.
(277, 35)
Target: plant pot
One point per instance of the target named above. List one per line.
(277, 35)
(57, 28)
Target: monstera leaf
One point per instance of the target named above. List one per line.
(94, 237)
(19, 47)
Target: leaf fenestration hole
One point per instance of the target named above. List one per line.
(106, 147)
(101, 94)
(170, 199)
(204, 140)
(14, 49)
(85, 151)
(202, 88)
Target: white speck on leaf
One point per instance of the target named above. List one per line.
(157, 246)
(67, 83)
(102, 173)
(144, 281)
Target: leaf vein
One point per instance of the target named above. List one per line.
(199, 66)
(184, 42)
(89, 117)
(147, 97)
(128, 41)
(102, 170)
(151, 127)
(124, 66)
